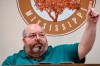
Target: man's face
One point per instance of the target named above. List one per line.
(35, 40)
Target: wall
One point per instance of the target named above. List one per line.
(12, 25)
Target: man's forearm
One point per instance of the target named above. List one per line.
(87, 40)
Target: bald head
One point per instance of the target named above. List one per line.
(32, 28)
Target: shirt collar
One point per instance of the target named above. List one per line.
(23, 53)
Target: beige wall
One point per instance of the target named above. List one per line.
(12, 25)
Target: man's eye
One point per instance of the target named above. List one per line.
(42, 35)
(32, 36)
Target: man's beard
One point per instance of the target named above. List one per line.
(37, 47)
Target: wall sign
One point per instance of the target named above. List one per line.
(56, 17)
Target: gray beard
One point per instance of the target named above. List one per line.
(38, 49)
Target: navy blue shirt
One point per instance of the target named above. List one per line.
(56, 55)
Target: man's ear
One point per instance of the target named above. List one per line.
(24, 40)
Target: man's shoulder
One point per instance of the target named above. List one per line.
(65, 45)
(14, 55)
(62, 47)
(12, 58)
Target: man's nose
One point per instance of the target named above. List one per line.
(37, 37)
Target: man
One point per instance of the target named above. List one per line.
(36, 47)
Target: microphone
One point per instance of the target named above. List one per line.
(40, 47)
(39, 52)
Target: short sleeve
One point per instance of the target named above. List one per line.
(71, 52)
(76, 55)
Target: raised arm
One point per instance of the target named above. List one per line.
(89, 35)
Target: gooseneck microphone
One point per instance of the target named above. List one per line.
(39, 52)
(40, 47)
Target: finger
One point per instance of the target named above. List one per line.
(92, 12)
(95, 15)
(90, 6)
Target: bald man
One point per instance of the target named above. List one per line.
(36, 47)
